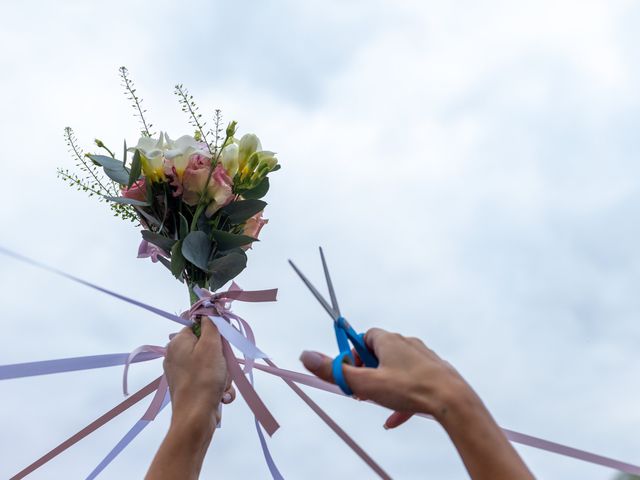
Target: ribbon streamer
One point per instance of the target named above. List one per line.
(315, 382)
(98, 361)
(93, 426)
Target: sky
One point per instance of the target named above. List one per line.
(470, 169)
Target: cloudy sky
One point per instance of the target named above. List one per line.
(471, 170)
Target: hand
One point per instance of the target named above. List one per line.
(197, 376)
(410, 379)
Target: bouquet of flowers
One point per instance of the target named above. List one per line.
(197, 198)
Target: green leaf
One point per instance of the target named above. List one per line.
(165, 262)
(226, 268)
(127, 201)
(259, 191)
(158, 240)
(149, 191)
(136, 168)
(227, 241)
(242, 210)
(178, 262)
(124, 153)
(184, 226)
(106, 162)
(114, 169)
(196, 248)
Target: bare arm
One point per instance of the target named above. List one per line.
(197, 375)
(413, 379)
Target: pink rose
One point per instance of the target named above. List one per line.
(146, 250)
(174, 179)
(253, 226)
(219, 191)
(138, 191)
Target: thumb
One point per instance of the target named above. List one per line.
(318, 364)
(361, 380)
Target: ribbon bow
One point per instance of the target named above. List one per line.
(233, 329)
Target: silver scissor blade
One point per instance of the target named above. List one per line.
(332, 293)
(315, 292)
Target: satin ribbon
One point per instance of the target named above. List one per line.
(98, 361)
(217, 308)
(36, 368)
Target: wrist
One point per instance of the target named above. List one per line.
(460, 406)
(193, 425)
(196, 417)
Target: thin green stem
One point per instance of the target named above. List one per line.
(81, 158)
(77, 181)
(124, 73)
(194, 115)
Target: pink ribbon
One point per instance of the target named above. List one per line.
(99, 361)
(134, 355)
(93, 426)
(217, 306)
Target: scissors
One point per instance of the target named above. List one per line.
(344, 331)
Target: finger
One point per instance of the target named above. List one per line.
(209, 335)
(318, 364)
(363, 381)
(372, 337)
(229, 395)
(396, 419)
(356, 358)
(416, 342)
(185, 339)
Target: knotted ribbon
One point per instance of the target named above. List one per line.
(235, 337)
(217, 306)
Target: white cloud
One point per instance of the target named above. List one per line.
(476, 162)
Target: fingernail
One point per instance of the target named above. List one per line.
(226, 398)
(311, 360)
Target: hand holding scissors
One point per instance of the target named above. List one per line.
(344, 331)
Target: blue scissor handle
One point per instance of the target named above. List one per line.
(344, 334)
(336, 370)
(366, 355)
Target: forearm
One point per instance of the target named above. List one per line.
(183, 450)
(483, 447)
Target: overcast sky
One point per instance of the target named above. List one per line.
(471, 170)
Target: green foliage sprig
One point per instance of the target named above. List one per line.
(130, 92)
(91, 178)
(189, 107)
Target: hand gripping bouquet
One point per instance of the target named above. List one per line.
(197, 197)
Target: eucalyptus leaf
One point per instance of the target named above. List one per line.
(127, 201)
(184, 226)
(106, 162)
(158, 240)
(226, 268)
(204, 224)
(242, 210)
(196, 248)
(121, 177)
(259, 191)
(114, 169)
(228, 241)
(136, 168)
(178, 262)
